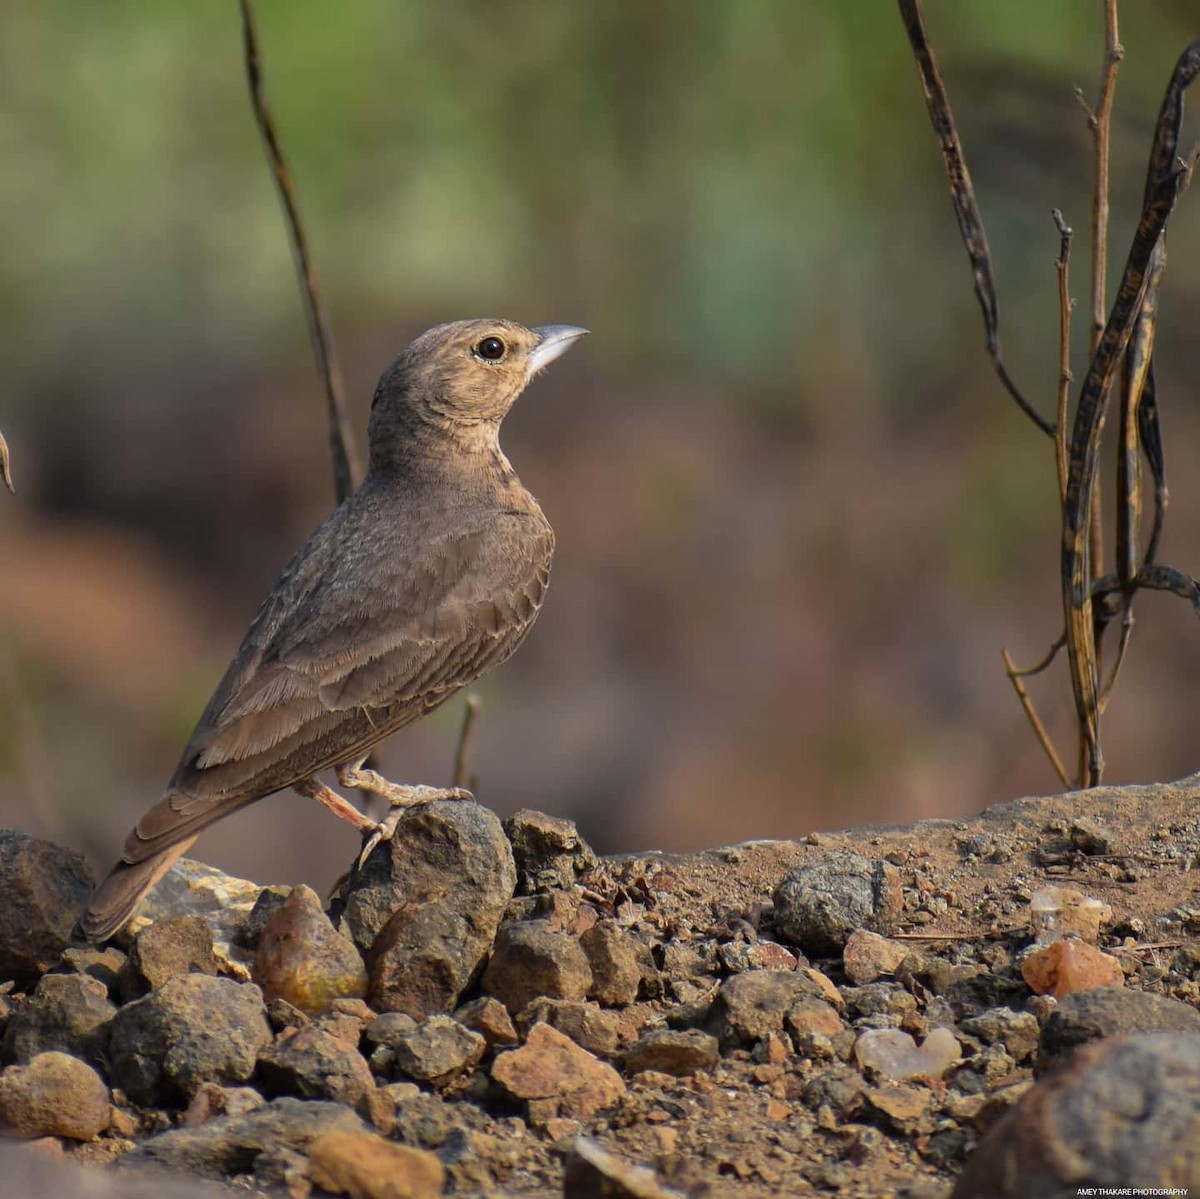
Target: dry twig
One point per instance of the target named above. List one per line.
(341, 441)
(5, 470)
(1065, 378)
(464, 744)
(1016, 677)
(962, 195)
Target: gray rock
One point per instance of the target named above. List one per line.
(45, 889)
(549, 851)
(194, 1029)
(314, 1064)
(821, 902)
(67, 1012)
(670, 1051)
(191, 888)
(1016, 1031)
(55, 1095)
(166, 949)
(884, 999)
(232, 1144)
(101, 963)
(425, 906)
(1121, 1113)
(592, 1172)
(532, 962)
(618, 959)
(389, 1029)
(438, 1051)
(749, 1006)
(1085, 1016)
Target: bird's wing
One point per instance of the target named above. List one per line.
(359, 637)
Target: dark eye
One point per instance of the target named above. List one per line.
(491, 349)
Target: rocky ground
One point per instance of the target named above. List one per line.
(1006, 1006)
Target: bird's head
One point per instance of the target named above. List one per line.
(461, 379)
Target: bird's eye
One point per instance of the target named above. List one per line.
(491, 349)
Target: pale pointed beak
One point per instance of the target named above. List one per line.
(553, 342)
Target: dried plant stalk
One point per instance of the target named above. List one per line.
(346, 470)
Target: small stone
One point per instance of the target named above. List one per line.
(897, 1107)
(343, 1025)
(532, 962)
(669, 1051)
(1016, 1031)
(191, 888)
(165, 949)
(425, 907)
(1086, 1016)
(283, 1015)
(1091, 837)
(314, 1064)
(438, 1051)
(809, 1017)
(551, 1067)
(67, 1012)
(45, 889)
(303, 959)
(549, 852)
(591, 1172)
(211, 1101)
(54, 1095)
(868, 956)
(820, 903)
(1056, 912)
(389, 1029)
(1122, 1114)
(561, 1129)
(232, 1144)
(194, 1029)
(749, 1006)
(616, 959)
(894, 1054)
(363, 1165)
(103, 964)
(490, 1018)
(1064, 966)
(587, 1024)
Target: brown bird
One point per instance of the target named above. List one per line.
(430, 574)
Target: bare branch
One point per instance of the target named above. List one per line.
(962, 195)
(346, 470)
(1015, 676)
(5, 469)
(464, 743)
(1065, 305)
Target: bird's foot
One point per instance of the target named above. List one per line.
(402, 798)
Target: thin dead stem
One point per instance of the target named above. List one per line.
(1035, 721)
(5, 469)
(1100, 123)
(346, 472)
(1065, 305)
(464, 743)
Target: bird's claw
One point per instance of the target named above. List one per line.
(385, 829)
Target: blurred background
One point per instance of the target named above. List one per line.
(797, 516)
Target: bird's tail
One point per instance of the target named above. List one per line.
(116, 898)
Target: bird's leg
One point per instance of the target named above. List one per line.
(398, 795)
(312, 789)
(400, 798)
